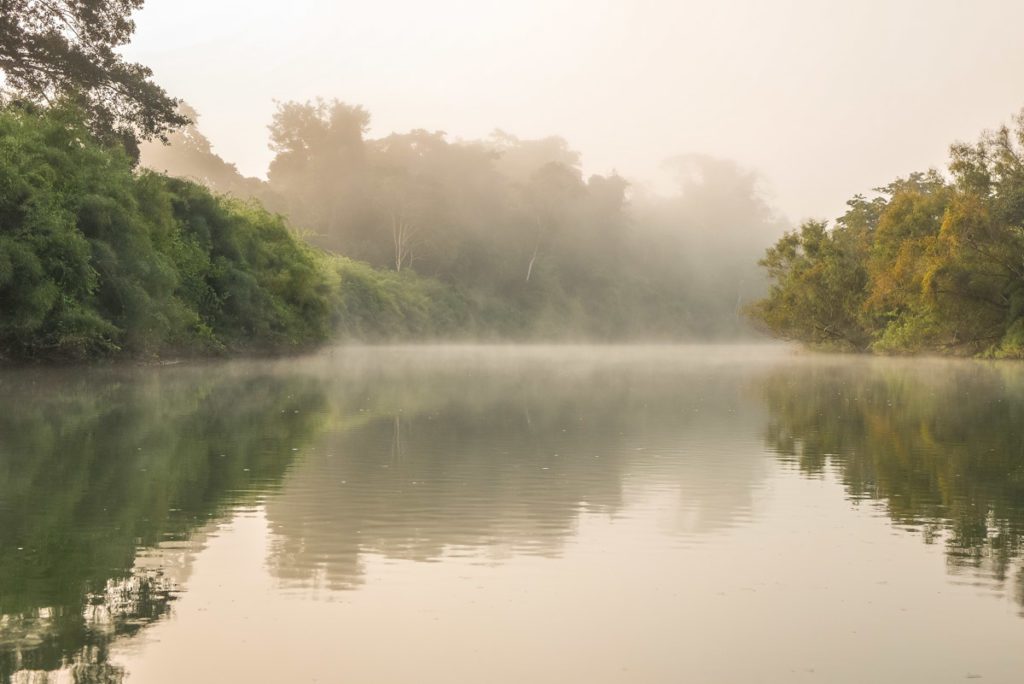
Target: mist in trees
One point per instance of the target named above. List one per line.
(534, 245)
(707, 237)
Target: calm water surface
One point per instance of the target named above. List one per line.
(501, 514)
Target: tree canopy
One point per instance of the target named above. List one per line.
(97, 259)
(67, 49)
(931, 264)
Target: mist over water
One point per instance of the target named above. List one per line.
(440, 510)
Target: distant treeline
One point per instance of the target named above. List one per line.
(101, 259)
(98, 260)
(932, 264)
(509, 230)
(410, 235)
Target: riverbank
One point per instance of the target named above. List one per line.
(101, 261)
(932, 264)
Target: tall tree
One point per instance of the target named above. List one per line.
(66, 49)
(319, 170)
(551, 198)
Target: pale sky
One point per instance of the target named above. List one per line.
(824, 98)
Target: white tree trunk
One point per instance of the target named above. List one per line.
(533, 258)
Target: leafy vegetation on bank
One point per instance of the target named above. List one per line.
(932, 264)
(97, 260)
(494, 238)
(372, 305)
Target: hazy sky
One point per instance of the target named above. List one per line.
(824, 98)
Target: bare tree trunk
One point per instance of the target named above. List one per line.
(536, 247)
(403, 237)
(398, 237)
(533, 258)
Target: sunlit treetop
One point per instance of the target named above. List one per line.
(52, 50)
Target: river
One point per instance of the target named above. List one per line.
(514, 514)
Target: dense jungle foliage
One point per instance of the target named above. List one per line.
(96, 259)
(932, 264)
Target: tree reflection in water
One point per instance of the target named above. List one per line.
(111, 480)
(96, 465)
(939, 444)
(418, 453)
(500, 455)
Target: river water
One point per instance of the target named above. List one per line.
(515, 514)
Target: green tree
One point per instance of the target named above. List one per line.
(931, 264)
(97, 259)
(515, 236)
(819, 281)
(318, 171)
(902, 261)
(55, 49)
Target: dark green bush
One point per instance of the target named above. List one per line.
(97, 259)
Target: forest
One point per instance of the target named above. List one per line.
(405, 237)
(97, 258)
(510, 230)
(932, 263)
(124, 233)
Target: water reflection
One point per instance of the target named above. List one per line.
(499, 455)
(409, 453)
(96, 465)
(939, 444)
(112, 481)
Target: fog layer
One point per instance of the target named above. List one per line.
(512, 226)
